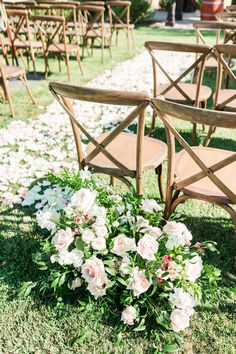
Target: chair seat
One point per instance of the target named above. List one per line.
(26, 44)
(174, 95)
(12, 71)
(123, 25)
(123, 148)
(205, 188)
(224, 94)
(60, 47)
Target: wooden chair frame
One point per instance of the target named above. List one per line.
(220, 51)
(5, 86)
(57, 31)
(92, 26)
(166, 110)
(18, 23)
(201, 50)
(122, 19)
(65, 93)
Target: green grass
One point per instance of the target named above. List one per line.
(32, 326)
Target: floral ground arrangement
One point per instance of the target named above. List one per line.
(98, 246)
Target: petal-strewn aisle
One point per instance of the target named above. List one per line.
(29, 150)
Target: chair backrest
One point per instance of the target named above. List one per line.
(166, 110)
(18, 23)
(52, 30)
(202, 50)
(119, 12)
(218, 28)
(221, 52)
(65, 93)
(91, 20)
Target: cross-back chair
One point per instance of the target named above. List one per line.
(119, 17)
(9, 72)
(115, 152)
(193, 93)
(197, 172)
(93, 28)
(225, 32)
(21, 36)
(224, 98)
(52, 31)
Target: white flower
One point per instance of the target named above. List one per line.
(150, 206)
(123, 244)
(181, 299)
(125, 265)
(26, 219)
(180, 319)
(193, 268)
(100, 230)
(99, 243)
(147, 247)
(83, 200)
(99, 212)
(120, 209)
(174, 270)
(92, 269)
(63, 258)
(53, 258)
(142, 224)
(116, 224)
(76, 257)
(98, 286)
(76, 283)
(88, 236)
(154, 231)
(138, 282)
(178, 235)
(63, 239)
(128, 315)
(85, 174)
(46, 219)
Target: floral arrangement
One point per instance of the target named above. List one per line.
(108, 246)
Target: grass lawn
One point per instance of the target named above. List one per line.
(31, 326)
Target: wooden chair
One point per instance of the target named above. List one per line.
(92, 27)
(224, 98)
(21, 36)
(225, 32)
(197, 172)
(119, 17)
(193, 93)
(52, 31)
(10, 72)
(115, 152)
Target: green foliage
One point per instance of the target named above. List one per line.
(139, 10)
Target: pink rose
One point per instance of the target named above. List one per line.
(147, 247)
(92, 269)
(63, 239)
(123, 244)
(138, 282)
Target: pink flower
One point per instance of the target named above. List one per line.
(63, 239)
(128, 316)
(138, 282)
(93, 269)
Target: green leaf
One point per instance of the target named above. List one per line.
(170, 348)
(110, 271)
(79, 244)
(122, 281)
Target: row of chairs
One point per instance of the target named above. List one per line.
(195, 172)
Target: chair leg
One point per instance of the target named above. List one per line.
(109, 46)
(194, 134)
(158, 171)
(207, 139)
(79, 62)
(68, 66)
(168, 201)
(128, 39)
(8, 97)
(112, 181)
(47, 69)
(132, 37)
(117, 34)
(25, 82)
(139, 185)
(151, 131)
(102, 50)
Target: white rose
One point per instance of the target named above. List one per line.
(178, 235)
(76, 283)
(193, 268)
(76, 257)
(101, 231)
(180, 319)
(83, 200)
(128, 315)
(47, 219)
(123, 244)
(125, 266)
(147, 247)
(150, 206)
(174, 270)
(93, 269)
(116, 224)
(98, 286)
(142, 224)
(88, 236)
(63, 239)
(64, 258)
(99, 243)
(181, 299)
(100, 214)
(154, 231)
(26, 219)
(138, 282)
